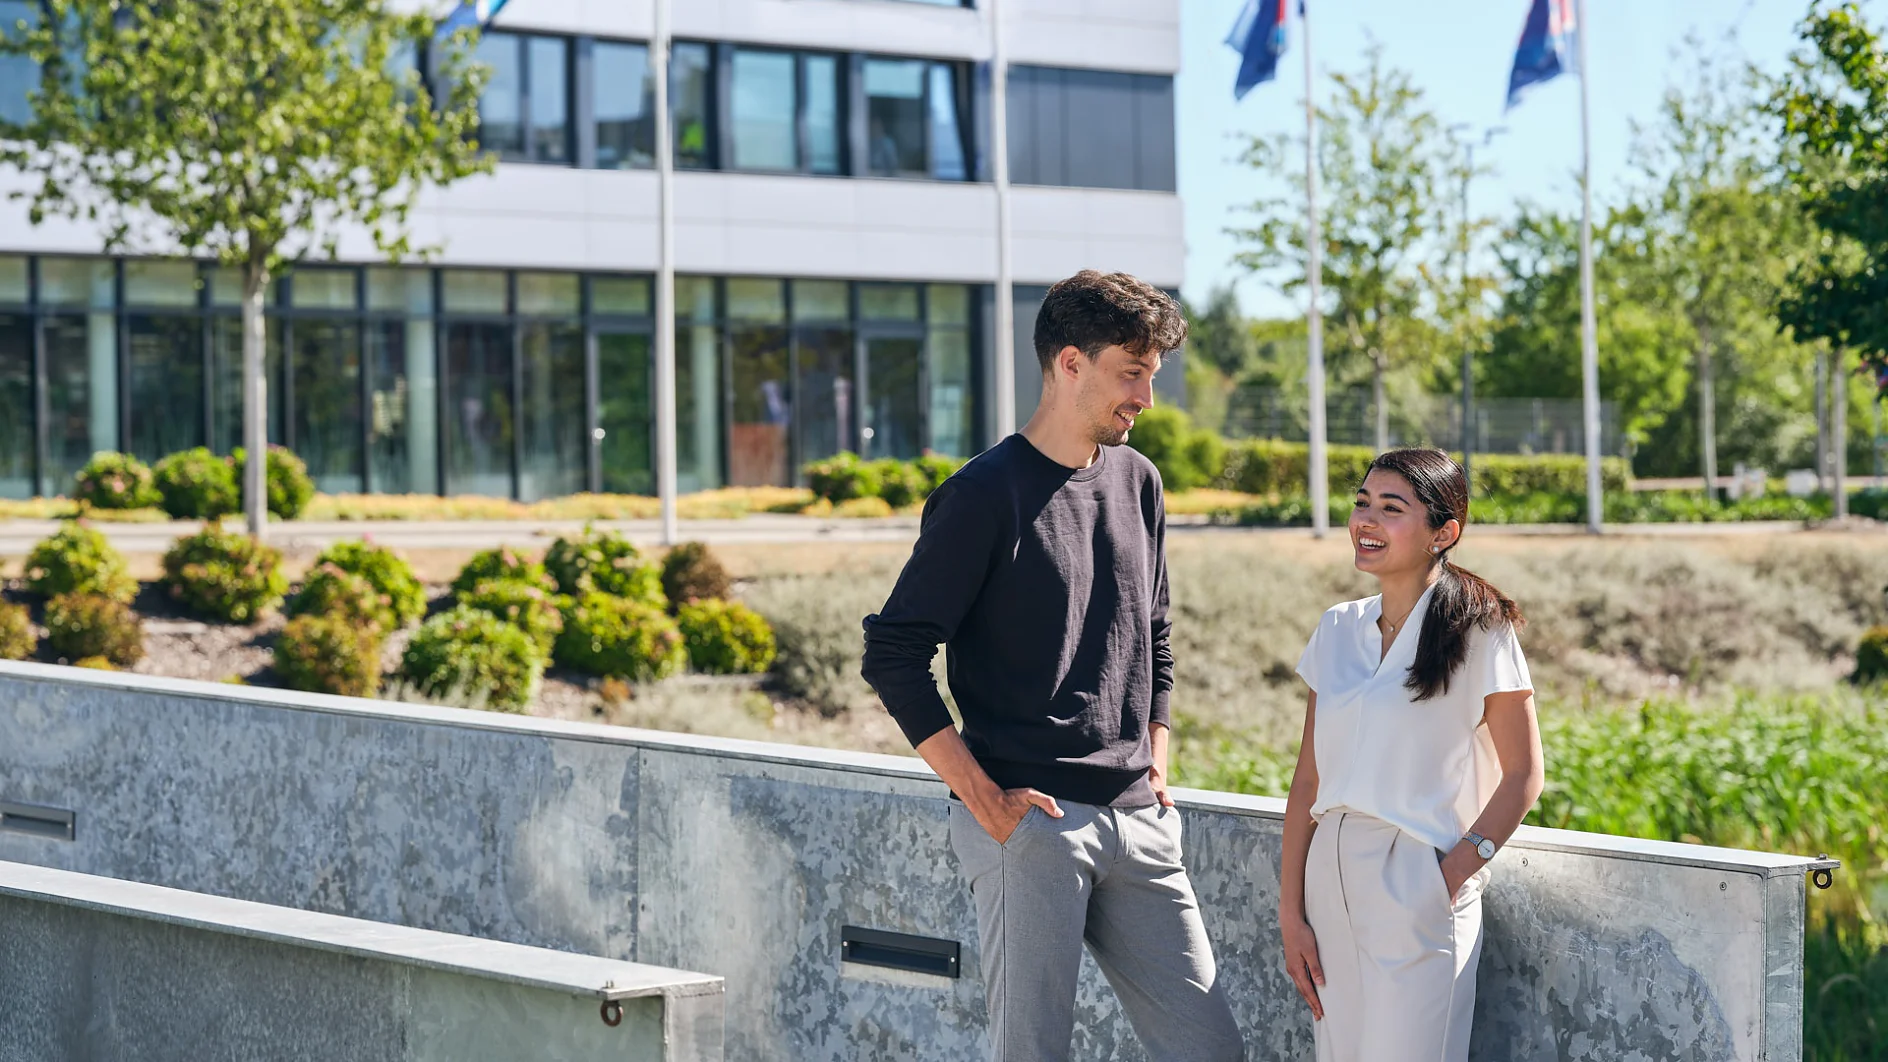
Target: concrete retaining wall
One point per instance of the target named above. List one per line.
(99, 969)
(744, 860)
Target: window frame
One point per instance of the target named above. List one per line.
(573, 93)
(963, 105)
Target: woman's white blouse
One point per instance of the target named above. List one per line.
(1426, 767)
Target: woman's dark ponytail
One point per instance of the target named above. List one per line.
(1462, 600)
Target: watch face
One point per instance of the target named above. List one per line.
(1486, 849)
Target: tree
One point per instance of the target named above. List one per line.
(1833, 106)
(1723, 233)
(1383, 159)
(1535, 346)
(255, 132)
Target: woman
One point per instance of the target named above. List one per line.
(1420, 757)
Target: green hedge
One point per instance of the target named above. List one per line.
(846, 476)
(1630, 507)
(1187, 457)
(1272, 466)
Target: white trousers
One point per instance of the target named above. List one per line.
(1399, 954)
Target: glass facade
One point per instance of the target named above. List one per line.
(522, 384)
(1091, 129)
(691, 95)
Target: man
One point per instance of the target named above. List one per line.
(1041, 565)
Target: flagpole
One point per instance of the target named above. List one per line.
(1589, 340)
(1314, 313)
(665, 278)
(1004, 390)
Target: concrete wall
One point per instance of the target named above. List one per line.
(744, 860)
(98, 969)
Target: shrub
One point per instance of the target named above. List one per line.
(1273, 466)
(522, 605)
(901, 483)
(224, 575)
(1871, 656)
(289, 487)
(603, 562)
(332, 592)
(114, 481)
(88, 625)
(936, 468)
(78, 560)
(95, 663)
(725, 638)
(1187, 457)
(691, 572)
(467, 653)
(326, 653)
(387, 572)
(198, 485)
(1871, 502)
(17, 640)
(862, 508)
(843, 477)
(500, 565)
(605, 635)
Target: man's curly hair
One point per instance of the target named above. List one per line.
(1093, 310)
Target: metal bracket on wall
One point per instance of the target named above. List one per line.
(900, 951)
(57, 823)
(1822, 871)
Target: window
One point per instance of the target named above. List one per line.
(501, 114)
(914, 119)
(625, 106)
(326, 355)
(524, 114)
(16, 406)
(691, 105)
(1091, 129)
(762, 109)
(823, 120)
(549, 66)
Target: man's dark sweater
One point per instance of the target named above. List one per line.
(1048, 587)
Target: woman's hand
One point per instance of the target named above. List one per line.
(1301, 962)
(1460, 864)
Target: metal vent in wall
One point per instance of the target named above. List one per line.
(56, 823)
(900, 951)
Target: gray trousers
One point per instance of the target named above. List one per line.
(1112, 878)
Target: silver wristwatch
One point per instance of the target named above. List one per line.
(1483, 846)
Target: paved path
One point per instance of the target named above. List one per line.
(17, 537)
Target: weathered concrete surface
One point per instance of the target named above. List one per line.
(96, 968)
(744, 860)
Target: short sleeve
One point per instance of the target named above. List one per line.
(1308, 660)
(1503, 666)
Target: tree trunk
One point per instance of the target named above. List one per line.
(1839, 429)
(255, 401)
(1378, 371)
(1822, 422)
(1707, 416)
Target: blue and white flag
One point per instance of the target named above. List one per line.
(470, 14)
(1259, 37)
(1548, 48)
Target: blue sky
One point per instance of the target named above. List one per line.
(1458, 52)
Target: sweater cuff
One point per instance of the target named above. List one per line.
(923, 720)
(1159, 712)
